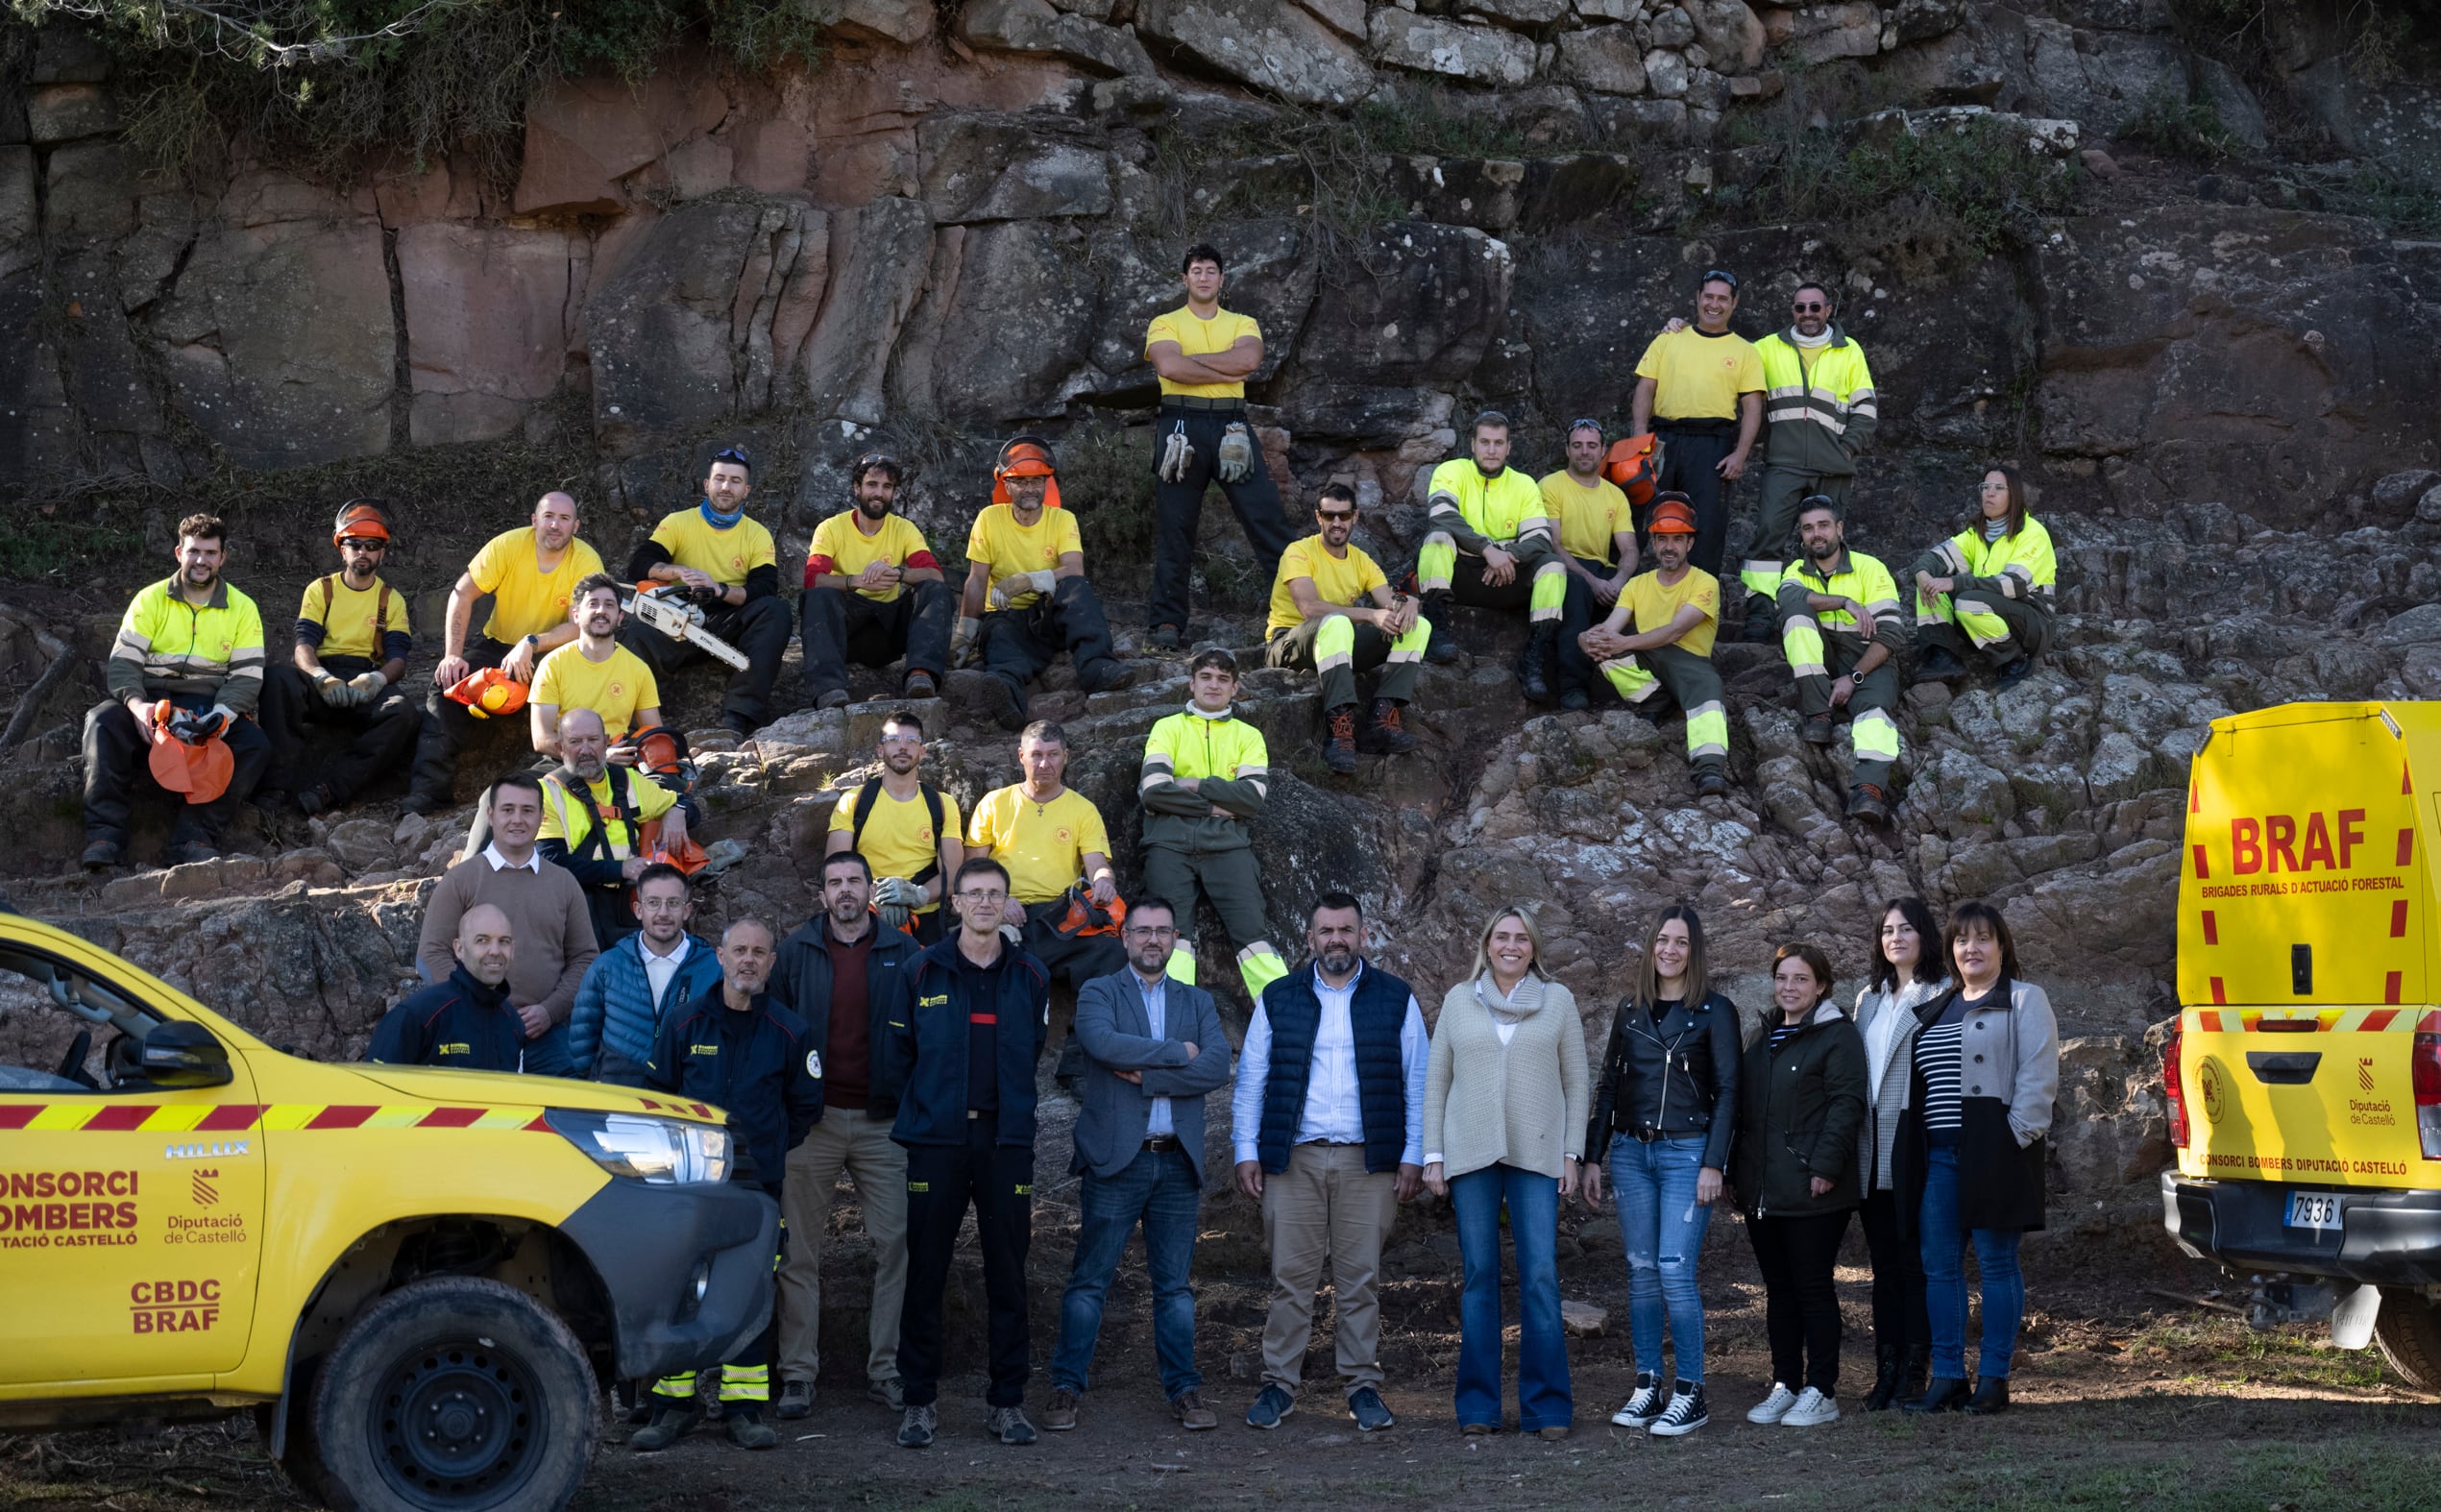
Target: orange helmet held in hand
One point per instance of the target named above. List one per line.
(488, 693)
(1026, 456)
(200, 770)
(1633, 463)
(1084, 920)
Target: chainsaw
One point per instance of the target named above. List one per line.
(666, 607)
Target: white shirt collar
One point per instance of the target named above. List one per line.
(676, 952)
(499, 863)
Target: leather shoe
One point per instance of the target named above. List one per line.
(1991, 1396)
(1942, 1394)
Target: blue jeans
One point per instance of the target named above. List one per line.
(1661, 1227)
(1945, 1278)
(1543, 1397)
(1158, 1189)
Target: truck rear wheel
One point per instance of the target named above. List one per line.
(455, 1393)
(2409, 1329)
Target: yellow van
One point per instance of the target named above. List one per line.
(2303, 1078)
(418, 1280)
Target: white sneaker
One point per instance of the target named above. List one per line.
(1773, 1408)
(1813, 1409)
(1643, 1407)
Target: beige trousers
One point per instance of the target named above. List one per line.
(1325, 1211)
(845, 1141)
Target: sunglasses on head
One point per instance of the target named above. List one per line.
(1722, 275)
(1585, 424)
(734, 455)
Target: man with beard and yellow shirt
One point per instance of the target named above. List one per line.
(873, 592)
(597, 672)
(1026, 598)
(730, 566)
(1332, 612)
(1597, 546)
(1675, 610)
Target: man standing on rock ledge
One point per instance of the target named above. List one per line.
(728, 565)
(1204, 355)
(873, 592)
(1700, 388)
(1026, 596)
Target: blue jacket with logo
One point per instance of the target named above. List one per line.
(922, 1049)
(757, 1063)
(457, 1022)
(612, 1027)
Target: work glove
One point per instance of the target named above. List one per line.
(1237, 457)
(370, 686)
(962, 645)
(1178, 454)
(896, 898)
(1019, 583)
(331, 691)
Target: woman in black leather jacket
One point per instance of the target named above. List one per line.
(1663, 1108)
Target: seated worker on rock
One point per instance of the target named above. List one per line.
(1985, 593)
(1492, 545)
(351, 649)
(1675, 613)
(188, 644)
(1841, 631)
(729, 567)
(1026, 598)
(1205, 779)
(1597, 548)
(594, 818)
(463, 1021)
(873, 592)
(594, 672)
(531, 574)
(1334, 613)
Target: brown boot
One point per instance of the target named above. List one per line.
(1386, 734)
(1340, 751)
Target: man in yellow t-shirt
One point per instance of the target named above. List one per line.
(1202, 355)
(1597, 546)
(597, 674)
(351, 649)
(730, 566)
(594, 818)
(1334, 613)
(1700, 390)
(908, 832)
(1675, 611)
(874, 592)
(531, 575)
(1026, 598)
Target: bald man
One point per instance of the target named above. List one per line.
(464, 1022)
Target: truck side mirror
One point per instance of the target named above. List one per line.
(178, 1054)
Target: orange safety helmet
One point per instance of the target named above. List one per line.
(1633, 463)
(661, 754)
(1672, 515)
(361, 517)
(687, 856)
(1083, 920)
(200, 770)
(1026, 456)
(488, 693)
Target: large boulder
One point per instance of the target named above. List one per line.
(1270, 45)
(1604, 59)
(1416, 306)
(1032, 26)
(585, 136)
(1006, 318)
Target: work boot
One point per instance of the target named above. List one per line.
(1710, 783)
(102, 855)
(738, 724)
(672, 1420)
(1386, 734)
(1576, 699)
(186, 852)
(1534, 665)
(1886, 1379)
(1104, 675)
(1868, 803)
(1444, 647)
(748, 1430)
(2013, 674)
(920, 684)
(836, 699)
(1762, 626)
(1938, 664)
(1165, 637)
(1339, 749)
(1817, 729)
(796, 1400)
(422, 802)
(313, 800)
(1008, 702)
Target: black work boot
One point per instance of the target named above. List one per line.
(1387, 733)
(1339, 748)
(1534, 665)
(1936, 665)
(672, 1420)
(1443, 648)
(1912, 1371)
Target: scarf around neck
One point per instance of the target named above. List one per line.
(1518, 1007)
(717, 520)
(1796, 340)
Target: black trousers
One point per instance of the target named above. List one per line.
(1177, 509)
(1579, 612)
(448, 726)
(941, 1181)
(1690, 460)
(1018, 644)
(1900, 1325)
(1800, 1302)
(759, 627)
(116, 753)
(841, 625)
(384, 731)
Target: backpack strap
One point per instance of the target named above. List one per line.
(870, 794)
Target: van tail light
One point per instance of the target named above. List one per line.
(2428, 1088)
(2177, 1091)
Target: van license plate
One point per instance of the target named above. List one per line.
(2313, 1211)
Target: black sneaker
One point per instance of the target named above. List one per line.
(1012, 1424)
(915, 1427)
(1685, 1413)
(796, 1400)
(1364, 1404)
(1644, 1404)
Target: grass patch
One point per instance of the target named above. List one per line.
(2223, 1350)
(38, 547)
(2176, 126)
(2405, 204)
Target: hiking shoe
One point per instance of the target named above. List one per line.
(1576, 699)
(1364, 1404)
(1685, 1413)
(2013, 674)
(1938, 664)
(102, 855)
(1060, 1414)
(1187, 1406)
(187, 852)
(920, 684)
(423, 802)
(1773, 1408)
(1712, 785)
(887, 1392)
(671, 1423)
(1104, 675)
(315, 800)
(1812, 1409)
(1010, 1423)
(836, 699)
(796, 1400)
(1273, 1405)
(748, 1430)
(1339, 749)
(1387, 733)
(1868, 803)
(915, 1427)
(1817, 729)
(1008, 702)
(1165, 637)
(1643, 1405)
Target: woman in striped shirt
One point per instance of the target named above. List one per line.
(1968, 1159)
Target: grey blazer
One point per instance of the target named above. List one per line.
(1112, 1026)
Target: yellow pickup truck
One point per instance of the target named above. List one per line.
(418, 1280)
(2303, 1078)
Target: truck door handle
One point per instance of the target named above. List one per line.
(2284, 1068)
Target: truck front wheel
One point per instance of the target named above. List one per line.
(2409, 1329)
(455, 1393)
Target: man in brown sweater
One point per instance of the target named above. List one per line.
(547, 913)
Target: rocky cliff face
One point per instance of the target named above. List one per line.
(945, 234)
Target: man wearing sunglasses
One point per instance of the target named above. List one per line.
(1332, 612)
(352, 644)
(728, 565)
(1700, 388)
(1819, 418)
(874, 593)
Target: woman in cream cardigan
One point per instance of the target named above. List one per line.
(1505, 1103)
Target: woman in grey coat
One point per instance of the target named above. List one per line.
(1907, 972)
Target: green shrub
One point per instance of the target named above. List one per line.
(2176, 126)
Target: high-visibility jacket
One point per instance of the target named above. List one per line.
(166, 646)
(1478, 510)
(1853, 575)
(1817, 402)
(1231, 766)
(2020, 566)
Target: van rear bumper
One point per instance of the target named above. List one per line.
(2387, 1238)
